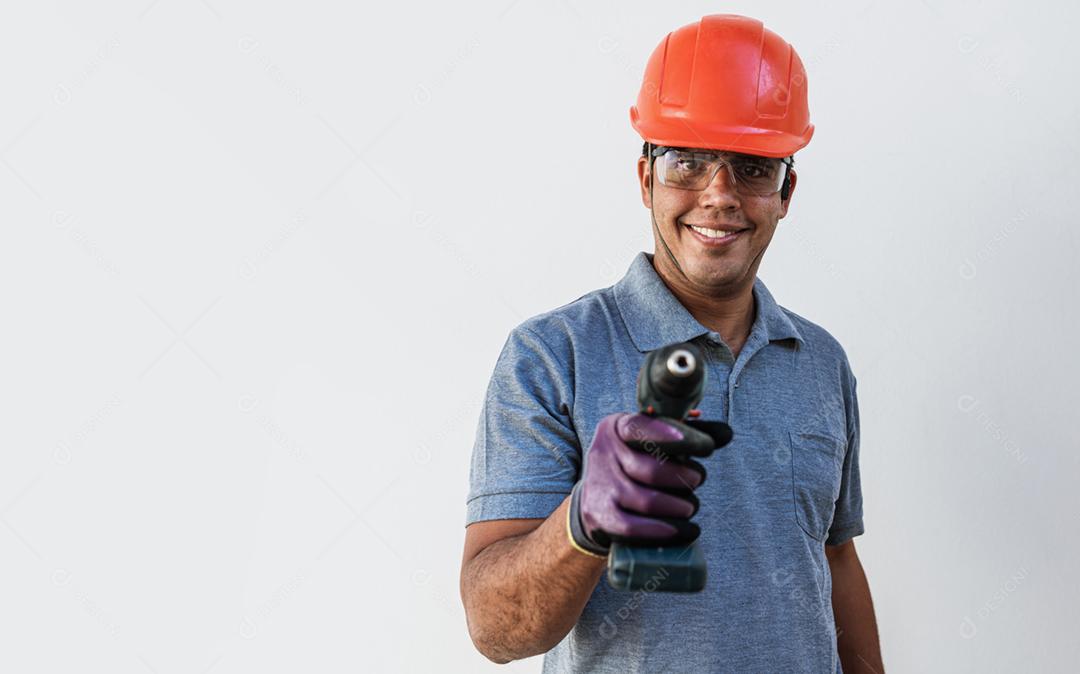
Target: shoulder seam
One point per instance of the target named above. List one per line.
(550, 353)
(571, 377)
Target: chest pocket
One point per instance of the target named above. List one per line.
(816, 466)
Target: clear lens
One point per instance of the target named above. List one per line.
(695, 169)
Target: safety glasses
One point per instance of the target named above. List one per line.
(694, 169)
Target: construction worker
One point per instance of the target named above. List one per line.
(722, 111)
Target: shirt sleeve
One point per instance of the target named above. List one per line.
(526, 456)
(848, 515)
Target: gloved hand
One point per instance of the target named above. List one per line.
(638, 483)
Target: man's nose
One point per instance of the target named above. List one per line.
(721, 192)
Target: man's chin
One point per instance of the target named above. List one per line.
(713, 277)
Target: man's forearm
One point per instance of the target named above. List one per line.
(523, 594)
(856, 627)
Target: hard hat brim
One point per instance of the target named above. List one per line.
(676, 132)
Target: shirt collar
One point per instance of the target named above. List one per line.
(654, 317)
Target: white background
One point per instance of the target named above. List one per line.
(258, 262)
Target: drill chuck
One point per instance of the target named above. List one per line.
(672, 381)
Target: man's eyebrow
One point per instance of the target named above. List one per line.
(727, 152)
(789, 160)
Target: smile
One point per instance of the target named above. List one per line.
(715, 236)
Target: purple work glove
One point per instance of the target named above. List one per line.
(638, 483)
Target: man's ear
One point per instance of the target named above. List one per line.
(792, 178)
(643, 180)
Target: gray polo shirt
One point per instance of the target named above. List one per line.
(786, 486)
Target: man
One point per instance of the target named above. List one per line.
(722, 110)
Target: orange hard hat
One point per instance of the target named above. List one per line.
(725, 83)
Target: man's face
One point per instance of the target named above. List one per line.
(712, 266)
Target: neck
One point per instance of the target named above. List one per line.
(729, 311)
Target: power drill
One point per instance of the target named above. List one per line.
(671, 383)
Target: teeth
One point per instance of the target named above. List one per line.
(712, 233)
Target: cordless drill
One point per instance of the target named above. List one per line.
(671, 383)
